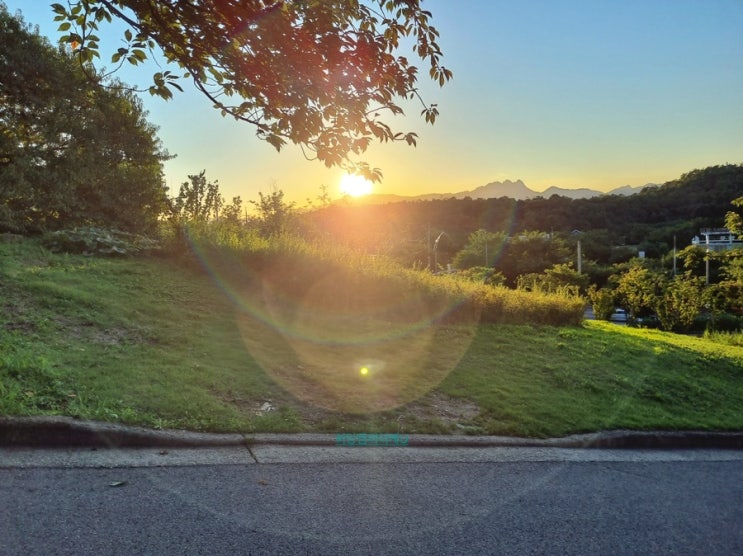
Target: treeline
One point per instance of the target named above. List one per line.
(647, 221)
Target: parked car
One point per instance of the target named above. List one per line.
(620, 315)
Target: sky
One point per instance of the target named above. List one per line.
(567, 93)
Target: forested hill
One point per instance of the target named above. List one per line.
(699, 198)
(702, 195)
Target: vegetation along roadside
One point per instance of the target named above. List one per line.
(141, 341)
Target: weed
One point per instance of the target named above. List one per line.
(725, 338)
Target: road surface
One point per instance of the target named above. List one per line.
(321, 500)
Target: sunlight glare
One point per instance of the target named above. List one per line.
(355, 185)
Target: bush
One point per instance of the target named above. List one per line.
(725, 338)
(483, 275)
(724, 322)
(342, 280)
(602, 302)
(75, 148)
(98, 241)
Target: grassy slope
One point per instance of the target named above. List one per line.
(148, 342)
(554, 381)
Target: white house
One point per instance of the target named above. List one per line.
(717, 239)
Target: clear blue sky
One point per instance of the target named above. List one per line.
(598, 94)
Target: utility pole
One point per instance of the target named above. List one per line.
(428, 242)
(706, 260)
(580, 259)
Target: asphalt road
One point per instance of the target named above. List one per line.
(319, 500)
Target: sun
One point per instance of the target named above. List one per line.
(355, 185)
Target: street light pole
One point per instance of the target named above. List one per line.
(428, 245)
(435, 252)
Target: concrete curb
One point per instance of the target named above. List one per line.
(56, 432)
(604, 439)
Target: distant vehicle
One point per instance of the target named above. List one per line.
(651, 321)
(619, 315)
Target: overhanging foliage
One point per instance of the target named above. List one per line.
(316, 74)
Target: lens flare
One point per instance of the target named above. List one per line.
(335, 338)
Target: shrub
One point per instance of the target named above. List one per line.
(353, 280)
(483, 275)
(725, 338)
(602, 302)
(725, 322)
(98, 241)
(679, 303)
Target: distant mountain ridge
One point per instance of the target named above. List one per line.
(520, 191)
(513, 189)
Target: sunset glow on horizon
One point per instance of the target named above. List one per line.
(355, 185)
(573, 94)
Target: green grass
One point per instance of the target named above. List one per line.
(138, 341)
(725, 338)
(553, 381)
(151, 342)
